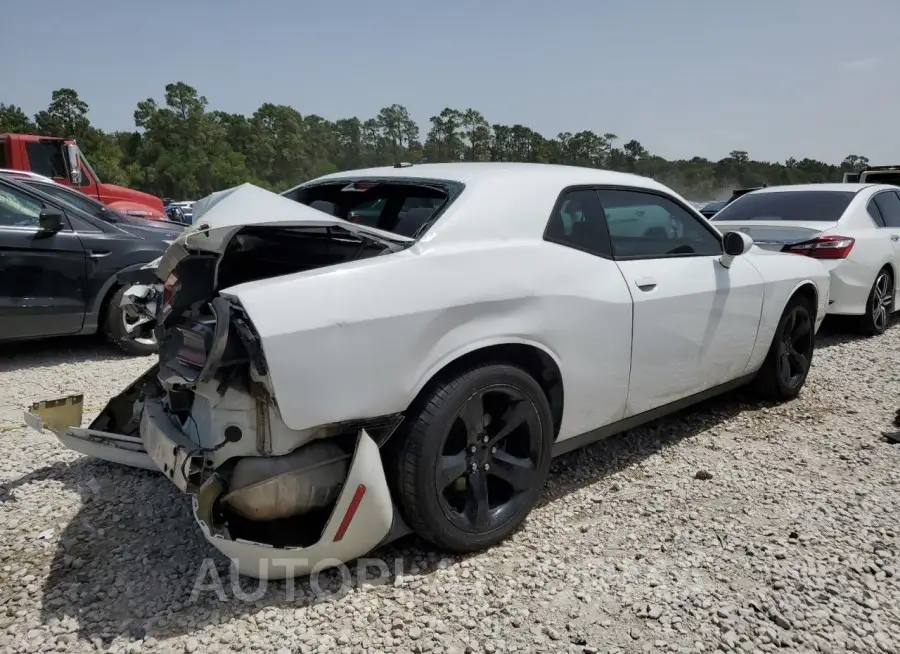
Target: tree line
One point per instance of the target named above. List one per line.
(184, 150)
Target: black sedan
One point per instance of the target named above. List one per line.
(60, 256)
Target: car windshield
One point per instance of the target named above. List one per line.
(800, 206)
(401, 206)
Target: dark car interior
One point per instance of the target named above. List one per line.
(398, 207)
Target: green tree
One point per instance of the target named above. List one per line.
(66, 116)
(13, 119)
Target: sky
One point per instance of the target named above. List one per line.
(776, 78)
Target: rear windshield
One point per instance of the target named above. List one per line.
(815, 206)
(404, 207)
(892, 177)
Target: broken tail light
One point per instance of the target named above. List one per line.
(823, 247)
(192, 348)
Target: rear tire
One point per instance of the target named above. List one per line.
(474, 457)
(879, 306)
(788, 361)
(116, 333)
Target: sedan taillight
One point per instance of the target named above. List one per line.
(823, 247)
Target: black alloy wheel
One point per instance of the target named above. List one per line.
(795, 347)
(490, 458)
(473, 457)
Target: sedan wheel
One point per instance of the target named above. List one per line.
(880, 305)
(475, 457)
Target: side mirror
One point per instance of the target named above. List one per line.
(71, 151)
(50, 221)
(736, 244)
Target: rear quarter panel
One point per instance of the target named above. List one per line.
(362, 339)
(783, 275)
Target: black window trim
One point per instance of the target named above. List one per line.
(558, 205)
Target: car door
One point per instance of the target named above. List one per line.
(695, 321)
(42, 274)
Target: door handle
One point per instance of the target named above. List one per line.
(894, 237)
(97, 254)
(645, 283)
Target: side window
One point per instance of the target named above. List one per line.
(646, 225)
(577, 222)
(875, 213)
(889, 205)
(71, 198)
(46, 159)
(18, 209)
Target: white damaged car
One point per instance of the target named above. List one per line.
(404, 349)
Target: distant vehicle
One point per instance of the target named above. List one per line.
(324, 386)
(181, 212)
(62, 253)
(875, 175)
(64, 162)
(854, 229)
(710, 209)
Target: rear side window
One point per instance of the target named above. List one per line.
(406, 208)
(813, 206)
(577, 222)
(875, 213)
(889, 205)
(3, 162)
(45, 159)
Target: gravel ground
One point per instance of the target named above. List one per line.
(735, 526)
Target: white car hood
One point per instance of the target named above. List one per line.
(220, 215)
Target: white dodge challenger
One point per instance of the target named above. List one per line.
(405, 349)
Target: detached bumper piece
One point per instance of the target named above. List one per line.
(63, 418)
(359, 521)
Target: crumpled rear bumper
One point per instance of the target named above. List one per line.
(363, 517)
(361, 520)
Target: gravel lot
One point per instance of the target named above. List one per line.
(736, 526)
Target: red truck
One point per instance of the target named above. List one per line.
(62, 160)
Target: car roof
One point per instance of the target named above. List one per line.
(837, 187)
(472, 172)
(26, 174)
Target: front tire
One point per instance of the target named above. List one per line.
(115, 328)
(879, 306)
(474, 458)
(787, 363)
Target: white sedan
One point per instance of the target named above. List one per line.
(325, 386)
(854, 229)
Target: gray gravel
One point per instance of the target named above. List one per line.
(736, 526)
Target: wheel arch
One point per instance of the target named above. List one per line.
(536, 359)
(809, 291)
